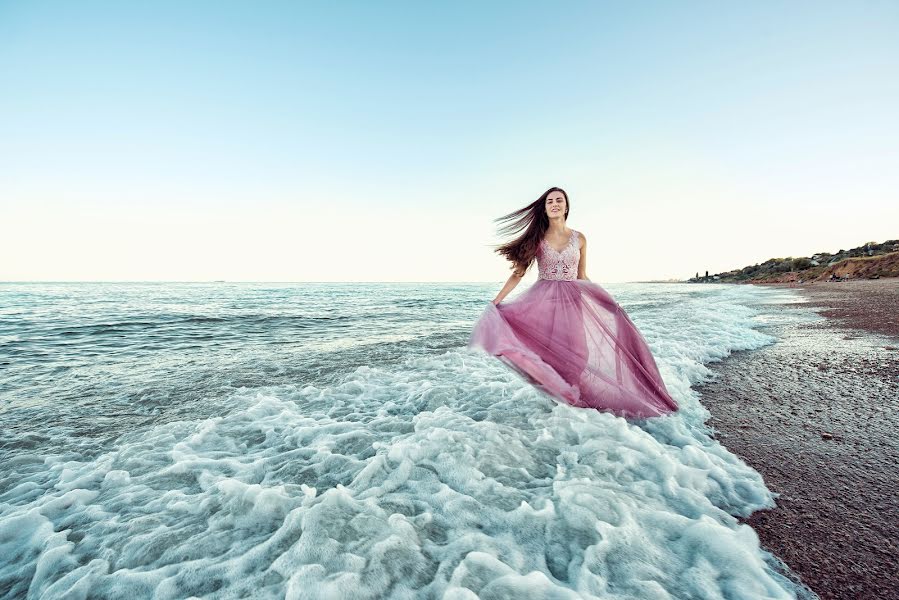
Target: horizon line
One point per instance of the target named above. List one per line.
(280, 281)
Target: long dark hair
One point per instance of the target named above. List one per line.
(533, 220)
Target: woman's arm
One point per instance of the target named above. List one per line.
(582, 261)
(513, 280)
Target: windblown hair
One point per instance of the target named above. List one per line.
(532, 220)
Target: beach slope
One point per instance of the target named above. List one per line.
(817, 414)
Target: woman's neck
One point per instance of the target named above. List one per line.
(556, 228)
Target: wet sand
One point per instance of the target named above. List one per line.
(817, 414)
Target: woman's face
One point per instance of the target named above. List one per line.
(556, 205)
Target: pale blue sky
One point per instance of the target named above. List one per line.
(226, 140)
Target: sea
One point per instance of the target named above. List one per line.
(339, 440)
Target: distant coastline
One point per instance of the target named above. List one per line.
(869, 261)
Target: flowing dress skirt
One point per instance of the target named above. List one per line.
(573, 340)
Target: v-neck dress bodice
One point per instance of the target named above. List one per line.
(556, 265)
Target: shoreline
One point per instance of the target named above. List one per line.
(870, 305)
(816, 414)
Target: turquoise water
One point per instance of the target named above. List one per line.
(338, 440)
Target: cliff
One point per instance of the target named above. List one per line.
(870, 261)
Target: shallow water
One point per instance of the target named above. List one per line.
(338, 440)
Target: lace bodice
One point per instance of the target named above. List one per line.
(552, 264)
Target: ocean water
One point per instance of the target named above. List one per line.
(227, 440)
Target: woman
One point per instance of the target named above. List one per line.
(566, 334)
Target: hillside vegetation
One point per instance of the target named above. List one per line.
(870, 261)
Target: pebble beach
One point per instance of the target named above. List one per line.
(816, 414)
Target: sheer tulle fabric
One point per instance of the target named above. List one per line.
(571, 338)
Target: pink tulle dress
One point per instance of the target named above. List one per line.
(569, 337)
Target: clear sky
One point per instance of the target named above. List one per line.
(377, 141)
